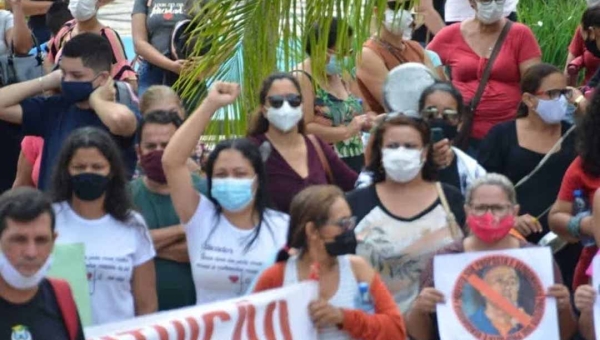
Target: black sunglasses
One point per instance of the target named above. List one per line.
(395, 5)
(276, 101)
(432, 112)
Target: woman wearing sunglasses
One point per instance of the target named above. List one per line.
(321, 234)
(406, 214)
(491, 208)
(390, 48)
(515, 149)
(333, 109)
(294, 160)
(441, 105)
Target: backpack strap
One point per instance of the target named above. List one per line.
(315, 142)
(59, 39)
(67, 306)
(125, 94)
(116, 44)
(180, 25)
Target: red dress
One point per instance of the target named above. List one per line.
(502, 94)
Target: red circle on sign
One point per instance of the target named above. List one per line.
(473, 292)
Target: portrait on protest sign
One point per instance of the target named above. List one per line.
(496, 295)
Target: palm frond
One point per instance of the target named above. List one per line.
(250, 39)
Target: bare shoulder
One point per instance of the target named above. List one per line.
(361, 268)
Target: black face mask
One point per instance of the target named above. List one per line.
(88, 186)
(592, 47)
(344, 243)
(450, 131)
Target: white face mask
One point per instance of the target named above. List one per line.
(398, 23)
(552, 111)
(19, 281)
(491, 12)
(402, 165)
(82, 10)
(285, 117)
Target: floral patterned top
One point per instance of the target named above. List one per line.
(341, 112)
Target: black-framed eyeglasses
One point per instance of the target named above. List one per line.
(495, 209)
(433, 112)
(276, 101)
(556, 93)
(397, 5)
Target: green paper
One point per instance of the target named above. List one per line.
(69, 264)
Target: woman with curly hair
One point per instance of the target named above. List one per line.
(583, 175)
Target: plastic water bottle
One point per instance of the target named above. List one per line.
(580, 207)
(364, 300)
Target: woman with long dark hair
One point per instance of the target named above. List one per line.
(321, 231)
(231, 233)
(516, 148)
(292, 159)
(93, 207)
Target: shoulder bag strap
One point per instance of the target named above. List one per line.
(322, 157)
(488, 67)
(67, 306)
(455, 230)
(546, 157)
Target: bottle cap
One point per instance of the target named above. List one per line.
(363, 287)
(578, 193)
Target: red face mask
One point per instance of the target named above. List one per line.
(152, 165)
(487, 229)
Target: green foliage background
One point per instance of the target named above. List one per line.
(553, 22)
(259, 37)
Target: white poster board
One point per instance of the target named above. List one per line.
(493, 295)
(280, 314)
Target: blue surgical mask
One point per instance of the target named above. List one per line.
(334, 66)
(552, 111)
(233, 194)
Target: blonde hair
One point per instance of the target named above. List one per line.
(158, 94)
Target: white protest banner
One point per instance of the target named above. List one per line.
(280, 314)
(496, 295)
(596, 285)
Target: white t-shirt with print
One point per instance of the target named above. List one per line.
(461, 10)
(112, 250)
(222, 268)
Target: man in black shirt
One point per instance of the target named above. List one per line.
(31, 307)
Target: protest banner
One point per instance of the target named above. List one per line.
(280, 314)
(496, 295)
(68, 263)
